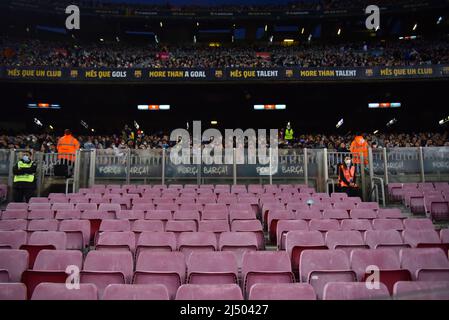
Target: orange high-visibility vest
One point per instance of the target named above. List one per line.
(348, 173)
(67, 147)
(359, 145)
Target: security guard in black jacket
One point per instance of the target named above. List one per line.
(24, 178)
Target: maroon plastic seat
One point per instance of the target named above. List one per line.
(212, 268)
(388, 224)
(354, 291)
(110, 207)
(166, 268)
(86, 207)
(421, 237)
(391, 213)
(254, 226)
(13, 291)
(265, 267)
(62, 206)
(15, 214)
(164, 215)
(172, 207)
(41, 240)
(131, 215)
(114, 225)
(421, 290)
(51, 266)
(308, 214)
(139, 226)
(13, 263)
(239, 214)
(324, 225)
(319, 267)
(216, 226)
(188, 215)
(181, 226)
(43, 225)
(39, 206)
(16, 206)
(209, 292)
(282, 291)
(272, 220)
(439, 210)
(95, 217)
(38, 200)
(68, 214)
(444, 235)
(425, 264)
(41, 214)
(238, 243)
(196, 241)
(107, 267)
(215, 215)
(385, 260)
(298, 241)
(335, 214)
(418, 224)
(356, 224)
(385, 239)
(363, 214)
(284, 226)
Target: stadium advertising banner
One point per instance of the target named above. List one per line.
(224, 74)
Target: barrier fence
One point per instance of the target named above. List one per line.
(315, 167)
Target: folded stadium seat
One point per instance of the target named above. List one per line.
(107, 267)
(415, 201)
(130, 215)
(209, 292)
(34, 200)
(77, 233)
(12, 239)
(388, 224)
(68, 214)
(155, 241)
(13, 263)
(167, 206)
(394, 191)
(59, 291)
(421, 290)
(418, 224)
(116, 241)
(339, 196)
(282, 291)
(216, 206)
(11, 214)
(17, 206)
(424, 239)
(319, 267)
(308, 214)
(356, 224)
(164, 215)
(215, 215)
(139, 226)
(51, 266)
(390, 213)
(109, 207)
(269, 207)
(41, 214)
(335, 214)
(39, 206)
(345, 240)
(13, 225)
(239, 214)
(124, 202)
(284, 226)
(165, 268)
(391, 239)
(191, 206)
(324, 225)
(265, 267)
(444, 235)
(114, 225)
(215, 226)
(354, 291)
(425, 264)
(430, 199)
(43, 225)
(13, 291)
(95, 217)
(86, 207)
(181, 226)
(187, 215)
(212, 268)
(189, 242)
(238, 243)
(363, 214)
(272, 220)
(439, 210)
(136, 292)
(297, 206)
(62, 206)
(41, 240)
(386, 261)
(242, 206)
(301, 240)
(254, 226)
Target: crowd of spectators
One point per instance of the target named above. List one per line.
(118, 55)
(47, 142)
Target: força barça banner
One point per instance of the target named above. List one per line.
(224, 74)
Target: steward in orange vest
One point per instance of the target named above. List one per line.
(67, 146)
(347, 175)
(359, 145)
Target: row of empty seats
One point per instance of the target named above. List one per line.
(172, 269)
